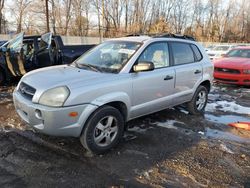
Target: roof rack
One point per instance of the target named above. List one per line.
(165, 35)
(179, 36)
(134, 35)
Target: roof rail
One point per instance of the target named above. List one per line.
(134, 35)
(164, 35)
(179, 36)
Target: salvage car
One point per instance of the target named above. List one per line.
(117, 81)
(219, 51)
(234, 68)
(25, 53)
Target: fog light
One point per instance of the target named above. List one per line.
(38, 114)
(73, 114)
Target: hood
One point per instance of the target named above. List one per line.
(84, 85)
(63, 75)
(233, 62)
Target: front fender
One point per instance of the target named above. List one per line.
(113, 97)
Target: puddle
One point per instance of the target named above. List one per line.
(225, 119)
(221, 135)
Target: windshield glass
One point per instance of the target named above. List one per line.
(16, 44)
(244, 53)
(109, 56)
(221, 48)
(45, 40)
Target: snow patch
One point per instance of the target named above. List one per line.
(169, 124)
(137, 129)
(226, 106)
(184, 111)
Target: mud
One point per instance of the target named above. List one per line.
(169, 148)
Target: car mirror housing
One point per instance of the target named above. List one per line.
(143, 66)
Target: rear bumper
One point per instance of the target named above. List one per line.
(50, 120)
(239, 79)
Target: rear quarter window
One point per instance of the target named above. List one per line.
(182, 53)
(197, 52)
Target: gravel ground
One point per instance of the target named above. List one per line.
(166, 149)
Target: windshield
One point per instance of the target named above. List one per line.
(45, 40)
(109, 56)
(15, 45)
(244, 53)
(221, 48)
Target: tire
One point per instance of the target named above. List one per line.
(197, 108)
(2, 77)
(103, 130)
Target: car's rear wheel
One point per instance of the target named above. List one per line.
(103, 130)
(199, 101)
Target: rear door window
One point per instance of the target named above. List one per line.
(182, 53)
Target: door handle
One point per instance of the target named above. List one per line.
(197, 72)
(168, 77)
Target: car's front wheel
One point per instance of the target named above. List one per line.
(103, 130)
(199, 101)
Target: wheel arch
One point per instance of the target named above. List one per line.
(121, 106)
(206, 84)
(118, 100)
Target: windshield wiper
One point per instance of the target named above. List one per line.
(92, 67)
(76, 64)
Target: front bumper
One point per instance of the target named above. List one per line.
(239, 79)
(52, 120)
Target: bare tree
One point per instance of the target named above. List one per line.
(81, 16)
(19, 11)
(211, 20)
(68, 5)
(180, 15)
(1, 13)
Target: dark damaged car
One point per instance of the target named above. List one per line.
(25, 53)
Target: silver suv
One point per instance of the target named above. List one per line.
(118, 80)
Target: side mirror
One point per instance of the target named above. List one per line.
(143, 66)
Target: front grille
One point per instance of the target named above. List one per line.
(211, 54)
(226, 70)
(226, 80)
(26, 90)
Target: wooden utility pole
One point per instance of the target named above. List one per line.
(47, 15)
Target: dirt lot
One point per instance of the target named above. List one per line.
(166, 149)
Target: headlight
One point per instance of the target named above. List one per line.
(247, 71)
(55, 97)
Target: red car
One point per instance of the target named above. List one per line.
(234, 67)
